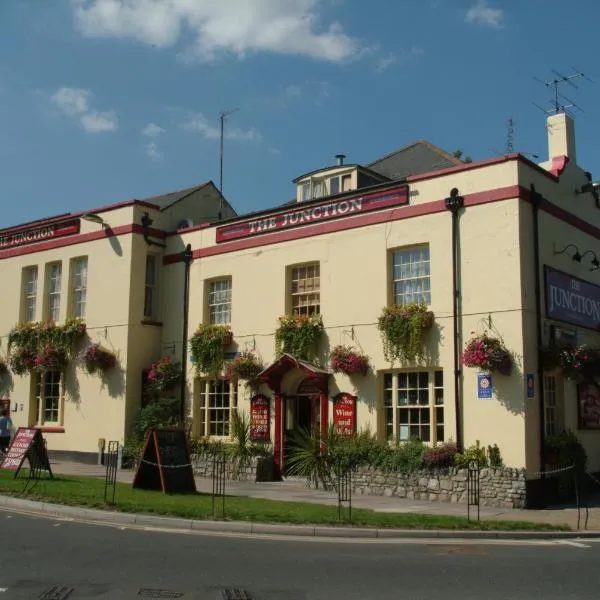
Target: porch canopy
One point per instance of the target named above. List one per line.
(273, 375)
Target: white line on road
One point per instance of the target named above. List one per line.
(3, 589)
(575, 544)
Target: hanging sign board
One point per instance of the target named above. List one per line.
(344, 414)
(260, 419)
(165, 463)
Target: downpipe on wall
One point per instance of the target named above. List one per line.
(454, 203)
(536, 200)
(187, 260)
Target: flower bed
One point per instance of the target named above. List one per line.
(402, 328)
(344, 359)
(298, 335)
(487, 353)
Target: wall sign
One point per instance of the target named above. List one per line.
(588, 405)
(32, 235)
(571, 300)
(310, 213)
(260, 422)
(485, 389)
(530, 377)
(344, 414)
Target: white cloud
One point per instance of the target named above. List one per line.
(199, 124)
(290, 27)
(152, 130)
(481, 13)
(152, 151)
(75, 103)
(385, 62)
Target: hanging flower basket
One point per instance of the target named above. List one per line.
(487, 354)
(98, 360)
(207, 347)
(163, 375)
(50, 358)
(21, 360)
(403, 327)
(246, 366)
(579, 363)
(298, 335)
(344, 359)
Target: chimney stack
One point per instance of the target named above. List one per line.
(561, 136)
(340, 159)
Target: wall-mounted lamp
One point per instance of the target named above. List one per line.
(94, 218)
(146, 224)
(576, 257)
(595, 262)
(591, 187)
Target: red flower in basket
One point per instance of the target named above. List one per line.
(163, 374)
(488, 354)
(50, 359)
(21, 360)
(96, 358)
(349, 361)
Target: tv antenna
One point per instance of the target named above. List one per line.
(560, 103)
(222, 116)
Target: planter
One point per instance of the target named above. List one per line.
(98, 360)
(349, 361)
(402, 329)
(246, 366)
(298, 335)
(163, 375)
(50, 358)
(265, 469)
(207, 347)
(487, 353)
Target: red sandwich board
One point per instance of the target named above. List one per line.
(28, 443)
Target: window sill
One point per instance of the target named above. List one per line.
(50, 429)
(151, 322)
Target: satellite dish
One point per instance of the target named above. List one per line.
(185, 224)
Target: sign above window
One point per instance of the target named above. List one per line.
(314, 213)
(571, 300)
(41, 233)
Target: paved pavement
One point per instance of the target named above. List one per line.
(297, 491)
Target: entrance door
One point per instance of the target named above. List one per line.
(302, 415)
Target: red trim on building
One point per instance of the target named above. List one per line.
(52, 429)
(36, 234)
(558, 165)
(384, 216)
(77, 215)
(91, 236)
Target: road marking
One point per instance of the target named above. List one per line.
(575, 544)
(57, 525)
(3, 589)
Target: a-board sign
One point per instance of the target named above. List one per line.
(260, 422)
(165, 463)
(28, 443)
(344, 414)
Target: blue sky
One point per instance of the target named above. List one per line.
(107, 100)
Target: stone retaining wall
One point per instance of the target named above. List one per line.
(251, 469)
(504, 488)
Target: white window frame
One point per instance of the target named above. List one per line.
(411, 275)
(40, 399)
(305, 300)
(218, 400)
(150, 286)
(407, 398)
(30, 294)
(306, 189)
(54, 283)
(337, 178)
(219, 301)
(79, 273)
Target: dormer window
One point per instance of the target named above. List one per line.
(306, 191)
(334, 186)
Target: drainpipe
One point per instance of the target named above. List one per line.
(536, 200)
(454, 203)
(187, 259)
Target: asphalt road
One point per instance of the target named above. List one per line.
(54, 560)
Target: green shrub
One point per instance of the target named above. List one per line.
(472, 453)
(159, 412)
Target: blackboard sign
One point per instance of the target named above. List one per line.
(165, 463)
(28, 443)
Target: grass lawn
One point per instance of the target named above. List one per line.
(89, 492)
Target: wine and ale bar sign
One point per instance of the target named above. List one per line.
(26, 236)
(313, 213)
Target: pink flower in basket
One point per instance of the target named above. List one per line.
(349, 361)
(488, 354)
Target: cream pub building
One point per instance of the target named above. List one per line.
(484, 244)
